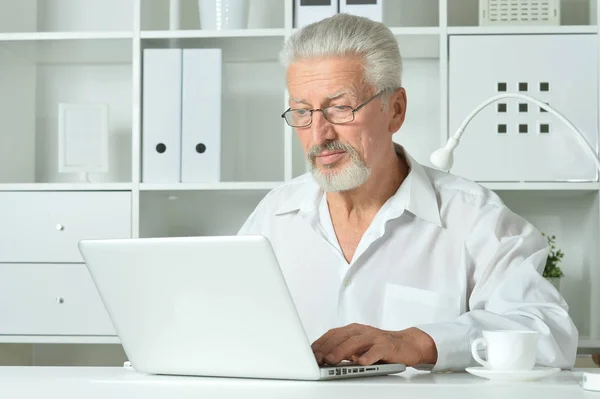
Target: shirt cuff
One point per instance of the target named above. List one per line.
(453, 344)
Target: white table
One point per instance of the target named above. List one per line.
(117, 382)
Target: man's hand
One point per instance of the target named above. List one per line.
(367, 345)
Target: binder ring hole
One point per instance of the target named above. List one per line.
(160, 148)
(200, 148)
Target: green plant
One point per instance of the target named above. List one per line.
(552, 268)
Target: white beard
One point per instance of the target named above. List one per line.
(350, 177)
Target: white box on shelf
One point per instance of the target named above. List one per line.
(161, 116)
(519, 12)
(372, 9)
(174, 14)
(516, 140)
(82, 138)
(201, 116)
(309, 11)
(223, 14)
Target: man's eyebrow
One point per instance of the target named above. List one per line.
(330, 97)
(341, 93)
(297, 100)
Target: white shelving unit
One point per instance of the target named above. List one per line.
(91, 50)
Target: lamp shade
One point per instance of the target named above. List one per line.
(443, 158)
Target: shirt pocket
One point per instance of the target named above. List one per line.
(405, 307)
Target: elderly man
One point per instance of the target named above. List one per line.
(388, 260)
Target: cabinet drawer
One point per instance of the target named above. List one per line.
(58, 299)
(46, 226)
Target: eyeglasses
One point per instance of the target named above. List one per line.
(336, 114)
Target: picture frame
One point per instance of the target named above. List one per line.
(83, 138)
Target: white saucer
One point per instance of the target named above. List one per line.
(513, 375)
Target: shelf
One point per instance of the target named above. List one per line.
(155, 14)
(543, 186)
(78, 51)
(183, 213)
(66, 15)
(521, 30)
(411, 13)
(406, 30)
(572, 12)
(181, 34)
(244, 48)
(418, 42)
(69, 48)
(59, 339)
(65, 186)
(24, 36)
(416, 31)
(588, 346)
(37, 76)
(209, 186)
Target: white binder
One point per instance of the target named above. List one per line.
(309, 11)
(201, 116)
(372, 9)
(161, 116)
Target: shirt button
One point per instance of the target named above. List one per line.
(347, 282)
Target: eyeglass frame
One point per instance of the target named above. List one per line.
(354, 110)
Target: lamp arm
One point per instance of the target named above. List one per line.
(454, 140)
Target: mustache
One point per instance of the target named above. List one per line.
(329, 146)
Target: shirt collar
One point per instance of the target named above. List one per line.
(416, 194)
(305, 199)
(421, 198)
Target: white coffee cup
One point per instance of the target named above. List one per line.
(507, 350)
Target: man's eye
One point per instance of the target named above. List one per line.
(340, 108)
(302, 112)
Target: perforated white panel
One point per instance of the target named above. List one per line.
(513, 140)
(519, 12)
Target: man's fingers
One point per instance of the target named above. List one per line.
(325, 337)
(320, 348)
(317, 344)
(356, 344)
(333, 342)
(333, 337)
(375, 354)
(354, 358)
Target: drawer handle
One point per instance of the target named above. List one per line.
(60, 300)
(60, 227)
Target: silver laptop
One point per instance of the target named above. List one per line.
(207, 306)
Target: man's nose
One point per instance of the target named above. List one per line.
(322, 129)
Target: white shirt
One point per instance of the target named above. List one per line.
(443, 254)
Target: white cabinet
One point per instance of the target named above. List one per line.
(50, 299)
(91, 51)
(46, 226)
(516, 140)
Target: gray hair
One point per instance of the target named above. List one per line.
(345, 34)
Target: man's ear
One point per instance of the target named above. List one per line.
(397, 109)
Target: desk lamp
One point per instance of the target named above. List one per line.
(443, 159)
